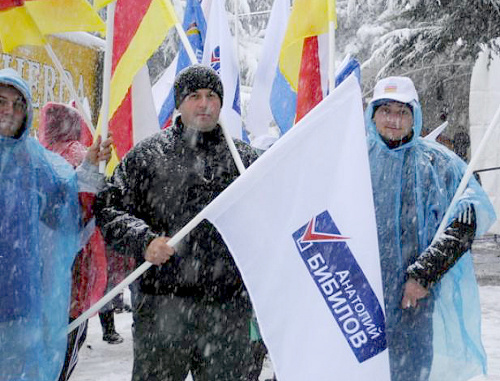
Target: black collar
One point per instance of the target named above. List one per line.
(397, 143)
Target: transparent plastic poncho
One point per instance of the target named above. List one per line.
(425, 174)
(39, 238)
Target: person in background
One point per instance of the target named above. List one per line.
(60, 130)
(461, 144)
(118, 268)
(431, 298)
(191, 310)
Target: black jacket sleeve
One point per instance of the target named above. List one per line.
(116, 215)
(441, 255)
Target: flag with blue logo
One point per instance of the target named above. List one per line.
(220, 53)
(300, 224)
(195, 26)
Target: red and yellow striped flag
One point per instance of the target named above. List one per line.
(140, 26)
(27, 22)
(308, 19)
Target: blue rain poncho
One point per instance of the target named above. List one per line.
(413, 186)
(38, 242)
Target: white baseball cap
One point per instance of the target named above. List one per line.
(400, 89)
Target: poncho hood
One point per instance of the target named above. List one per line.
(60, 130)
(10, 77)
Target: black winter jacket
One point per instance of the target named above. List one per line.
(161, 184)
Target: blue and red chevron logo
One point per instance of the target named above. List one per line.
(343, 285)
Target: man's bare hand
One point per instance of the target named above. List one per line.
(99, 151)
(158, 251)
(413, 291)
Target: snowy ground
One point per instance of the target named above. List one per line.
(100, 361)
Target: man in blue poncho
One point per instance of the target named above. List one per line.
(430, 293)
(39, 237)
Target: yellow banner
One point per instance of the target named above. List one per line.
(80, 61)
(31, 23)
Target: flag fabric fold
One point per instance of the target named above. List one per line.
(220, 53)
(139, 29)
(300, 224)
(135, 119)
(28, 22)
(298, 71)
(483, 104)
(259, 115)
(162, 90)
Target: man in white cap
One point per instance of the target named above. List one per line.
(430, 293)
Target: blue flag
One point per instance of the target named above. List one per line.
(196, 28)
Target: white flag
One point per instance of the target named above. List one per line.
(220, 53)
(145, 122)
(163, 86)
(484, 102)
(300, 224)
(259, 116)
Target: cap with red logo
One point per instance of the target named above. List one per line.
(399, 89)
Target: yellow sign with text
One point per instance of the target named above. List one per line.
(81, 58)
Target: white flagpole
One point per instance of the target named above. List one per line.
(468, 173)
(186, 43)
(106, 78)
(229, 139)
(232, 147)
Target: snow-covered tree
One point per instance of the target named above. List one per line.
(426, 31)
(435, 42)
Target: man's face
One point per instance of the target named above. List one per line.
(200, 110)
(394, 120)
(12, 111)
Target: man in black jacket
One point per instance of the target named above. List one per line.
(191, 309)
